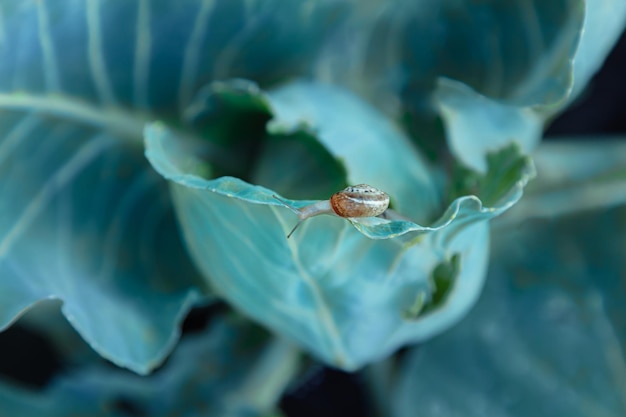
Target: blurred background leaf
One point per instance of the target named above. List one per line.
(230, 369)
(575, 176)
(504, 67)
(85, 222)
(406, 46)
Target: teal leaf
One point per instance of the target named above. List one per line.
(605, 21)
(314, 172)
(545, 339)
(154, 55)
(526, 61)
(84, 219)
(330, 287)
(86, 223)
(574, 176)
(405, 47)
(231, 369)
(431, 61)
(46, 319)
(496, 121)
(476, 125)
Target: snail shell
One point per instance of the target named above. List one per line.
(359, 201)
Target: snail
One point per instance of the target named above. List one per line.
(355, 201)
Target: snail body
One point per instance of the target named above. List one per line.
(355, 201)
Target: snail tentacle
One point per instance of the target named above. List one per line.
(286, 204)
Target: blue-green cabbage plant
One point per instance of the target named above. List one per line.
(436, 102)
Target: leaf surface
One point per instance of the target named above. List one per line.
(85, 222)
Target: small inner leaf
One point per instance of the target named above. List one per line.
(505, 167)
(232, 115)
(476, 124)
(297, 166)
(443, 278)
(441, 282)
(417, 307)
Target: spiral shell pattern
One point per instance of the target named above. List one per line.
(359, 201)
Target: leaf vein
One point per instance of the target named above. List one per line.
(143, 44)
(3, 34)
(51, 69)
(122, 123)
(119, 220)
(226, 57)
(323, 310)
(148, 234)
(97, 63)
(16, 135)
(87, 153)
(192, 54)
